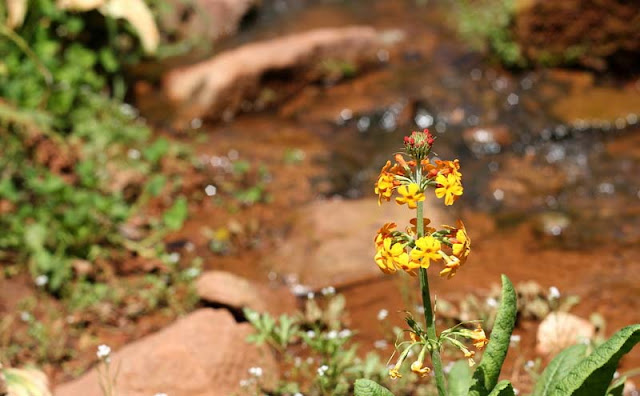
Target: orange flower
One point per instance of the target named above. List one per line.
(451, 266)
(384, 232)
(479, 338)
(412, 231)
(386, 184)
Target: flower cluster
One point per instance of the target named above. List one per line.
(411, 178)
(412, 249)
(407, 251)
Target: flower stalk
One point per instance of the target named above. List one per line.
(429, 316)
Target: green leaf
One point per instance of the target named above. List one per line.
(592, 375)
(176, 215)
(504, 388)
(617, 388)
(486, 375)
(156, 151)
(558, 368)
(365, 387)
(459, 379)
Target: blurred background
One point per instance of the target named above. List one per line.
(160, 158)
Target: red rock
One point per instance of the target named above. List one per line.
(202, 354)
(259, 74)
(225, 288)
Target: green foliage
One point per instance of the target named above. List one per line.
(503, 388)
(487, 23)
(558, 368)
(459, 378)
(67, 143)
(176, 215)
(486, 375)
(329, 365)
(617, 389)
(365, 387)
(593, 374)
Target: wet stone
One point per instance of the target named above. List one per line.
(487, 140)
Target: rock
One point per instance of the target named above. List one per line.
(202, 354)
(252, 77)
(225, 288)
(594, 34)
(332, 243)
(560, 330)
(205, 20)
(487, 140)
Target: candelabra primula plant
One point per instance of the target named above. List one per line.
(419, 246)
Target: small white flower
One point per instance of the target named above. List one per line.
(210, 190)
(160, 394)
(103, 352)
(328, 291)
(310, 295)
(516, 391)
(25, 316)
(192, 272)
(298, 394)
(133, 154)
(174, 257)
(492, 302)
(554, 293)
(344, 333)
(311, 333)
(322, 370)
(299, 290)
(244, 383)
(41, 280)
(515, 339)
(382, 314)
(529, 364)
(332, 335)
(256, 371)
(380, 344)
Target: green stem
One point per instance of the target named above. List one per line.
(428, 314)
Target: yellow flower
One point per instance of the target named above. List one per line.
(461, 244)
(417, 368)
(469, 355)
(395, 373)
(411, 195)
(386, 255)
(427, 249)
(451, 266)
(450, 188)
(385, 184)
(406, 263)
(479, 338)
